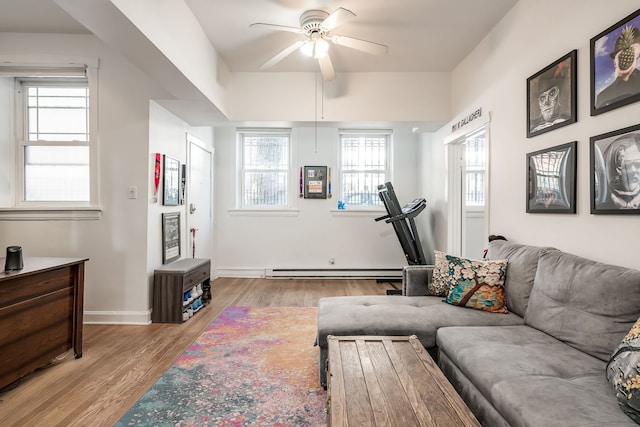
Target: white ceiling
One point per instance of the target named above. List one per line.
(422, 35)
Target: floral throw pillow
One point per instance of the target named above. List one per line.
(477, 284)
(623, 372)
(439, 285)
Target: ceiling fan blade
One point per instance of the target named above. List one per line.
(280, 56)
(363, 45)
(338, 17)
(277, 27)
(326, 68)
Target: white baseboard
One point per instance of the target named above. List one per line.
(335, 273)
(320, 273)
(117, 317)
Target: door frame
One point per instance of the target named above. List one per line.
(456, 183)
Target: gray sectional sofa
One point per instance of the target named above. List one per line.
(542, 364)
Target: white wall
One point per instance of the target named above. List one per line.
(354, 97)
(308, 237)
(433, 179)
(116, 275)
(531, 36)
(6, 140)
(316, 233)
(174, 30)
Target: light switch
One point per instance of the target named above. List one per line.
(133, 192)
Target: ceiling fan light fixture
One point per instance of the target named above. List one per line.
(321, 49)
(308, 48)
(316, 27)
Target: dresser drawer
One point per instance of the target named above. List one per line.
(197, 276)
(41, 329)
(24, 288)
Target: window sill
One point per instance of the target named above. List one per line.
(50, 214)
(264, 212)
(366, 212)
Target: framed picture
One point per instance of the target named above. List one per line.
(551, 96)
(170, 237)
(183, 184)
(551, 179)
(615, 78)
(315, 182)
(615, 172)
(171, 181)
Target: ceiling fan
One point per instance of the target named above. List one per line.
(316, 26)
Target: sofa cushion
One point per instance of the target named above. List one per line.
(415, 279)
(523, 262)
(398, 315)
(587, 304)
(529, 377)
(477, 284)
(623, 373)
(440, 283)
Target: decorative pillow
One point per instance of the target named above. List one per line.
(439, 285)
(623, 372)
(477, 284)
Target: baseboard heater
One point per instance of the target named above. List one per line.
(335, 273)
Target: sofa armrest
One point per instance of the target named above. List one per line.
(415, 279)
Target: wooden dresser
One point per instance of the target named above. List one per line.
(40, 314)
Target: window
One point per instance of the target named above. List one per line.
(265, 169)
(48, 134)
(54, 148)
(475, 168)
(364, 164)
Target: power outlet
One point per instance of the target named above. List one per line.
(133, 192)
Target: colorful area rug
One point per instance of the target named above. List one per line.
(252, 366)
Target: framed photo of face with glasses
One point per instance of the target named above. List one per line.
(551, 96)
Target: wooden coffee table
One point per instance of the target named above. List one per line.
(389, 381)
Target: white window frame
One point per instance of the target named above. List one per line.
(388, 170)
(287, 206)
(22, 209)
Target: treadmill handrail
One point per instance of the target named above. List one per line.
(404, 215)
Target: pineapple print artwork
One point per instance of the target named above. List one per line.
(617, 73)
(628, 49)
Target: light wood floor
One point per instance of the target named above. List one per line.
(120, 363)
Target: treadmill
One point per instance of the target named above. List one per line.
(402, 220)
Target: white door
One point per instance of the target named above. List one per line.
(199, 199)
(468, 194)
